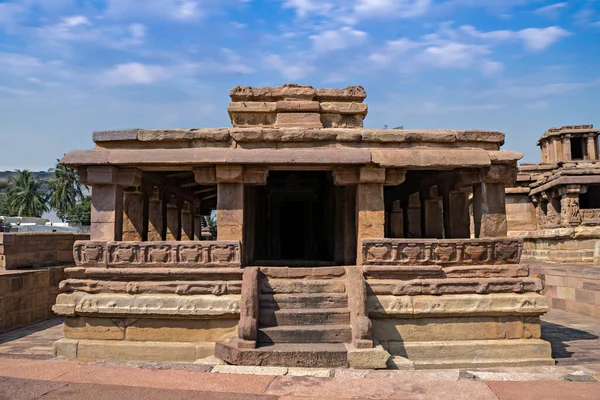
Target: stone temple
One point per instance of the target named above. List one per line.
(337, 246)
(555, 204)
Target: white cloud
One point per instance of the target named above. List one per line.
(453, 55)
(522, 90)
(339, 39)
(179, 10)
(534, 39)
(289, 68)
(537, 39)
(304, 8)
(136, 74)
(552, 10)
(392, 8)
(492, 68)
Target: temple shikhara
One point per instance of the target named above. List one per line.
(336, 246)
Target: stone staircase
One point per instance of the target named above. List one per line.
(303, 320)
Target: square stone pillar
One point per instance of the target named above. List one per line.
(133, 216)
(489, 210)
(459, 225)
(187, 222)
(566, 142)
(413, 216)
(397, 220)
(173, 221)
(197, 224)
(107, 212)
(434, 223)
(230, 203)
(370, 208)
(591, 147)
(155, 217)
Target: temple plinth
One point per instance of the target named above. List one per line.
(336, 246)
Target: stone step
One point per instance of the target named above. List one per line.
(302, 273)
(291, 316)
(303, 300)
(305, 334)
(302, 286)
(309, 355)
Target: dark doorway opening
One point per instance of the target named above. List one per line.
(293, 246)
(292, 220)
(577, 149)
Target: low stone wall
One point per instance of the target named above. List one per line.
(572, 288)
(27, 297)
(562, 250)
(36, 249)
(153, 301)
(455, 302)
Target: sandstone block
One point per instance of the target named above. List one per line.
(65, 348)
(299, 119)
(94, 328)
(374, 358)
(297, 106)
(136, 351)
(203, 330)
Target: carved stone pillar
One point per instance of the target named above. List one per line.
(187, 222)
(591, 147)
(459, 225)
(155, 217)
(230, 203)
(370, 209)
(569, 205)
(133, 216)
(173, 221)
(566, 142)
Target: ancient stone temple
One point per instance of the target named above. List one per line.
(336, 245)
(555, 205)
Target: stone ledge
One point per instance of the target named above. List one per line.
(472, 305)
(476, 353)
(199, 306)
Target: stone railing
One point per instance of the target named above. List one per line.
(590, 216)
(441, 251)
(185, 254)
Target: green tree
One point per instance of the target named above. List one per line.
(4, 208)
(64, 190)
(25, 195)
(81, 214)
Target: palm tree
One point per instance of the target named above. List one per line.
(64, 190)
(25, 195)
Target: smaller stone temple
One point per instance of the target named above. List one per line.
(555, 205)
(337, 246)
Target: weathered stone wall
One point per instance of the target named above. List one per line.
(520, 214)
(572, 288)
(36, 249)
(27, 297)
(561, 250)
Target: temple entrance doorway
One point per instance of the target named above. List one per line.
(291, 220)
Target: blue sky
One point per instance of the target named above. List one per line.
(69, 67)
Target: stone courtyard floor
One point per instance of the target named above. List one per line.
(27, 371)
